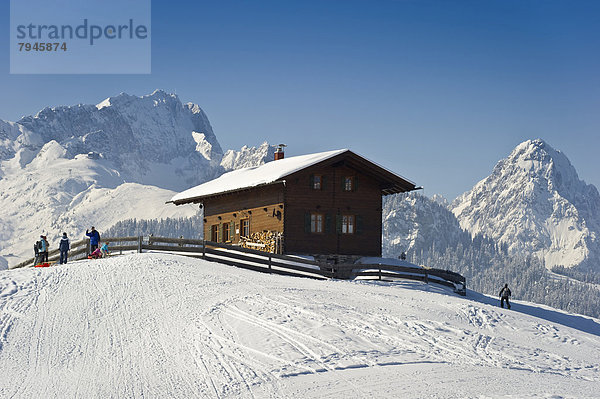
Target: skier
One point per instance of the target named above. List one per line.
(94, 238)
(64, 247)
(504, 295)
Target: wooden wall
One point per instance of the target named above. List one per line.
(295, 201)
(232, 208)
(332, 200)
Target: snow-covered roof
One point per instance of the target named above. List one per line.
(275, 171)
(255, 176)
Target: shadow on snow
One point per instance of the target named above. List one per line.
(575, 321)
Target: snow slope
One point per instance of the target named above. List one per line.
(157, 325)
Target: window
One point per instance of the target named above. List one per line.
(349, 183)
(245, 228)
(317, 182)
(225, 232)
(214, 233)
(316, 223)
(347, 224)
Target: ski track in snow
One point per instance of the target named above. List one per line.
(156, 325)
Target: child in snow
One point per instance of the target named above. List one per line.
(96, 254)
(104, 250)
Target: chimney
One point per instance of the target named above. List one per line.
(279, 152)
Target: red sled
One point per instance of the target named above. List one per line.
(43, 265)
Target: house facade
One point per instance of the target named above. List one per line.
(325, 204)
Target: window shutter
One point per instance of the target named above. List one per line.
(359, 224)
(355, 185)
(343, 183)
(311, 181)
(307, 222)
(220, 232)
(338, 224)
(232, 231)
(323, 182)
(328, 223)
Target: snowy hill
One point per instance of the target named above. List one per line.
(157, 325)
(534, 202)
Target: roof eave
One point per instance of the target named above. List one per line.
(199, 199)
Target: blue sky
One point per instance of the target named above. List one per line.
(437, 91)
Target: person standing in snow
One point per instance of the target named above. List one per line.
(64, 248)
(504, 295)
(37, 248)
(94, 238)
(43, 249)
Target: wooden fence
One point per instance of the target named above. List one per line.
(79, 249)
(381, 271)
(263, 261)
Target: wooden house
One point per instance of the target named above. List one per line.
(324, 204)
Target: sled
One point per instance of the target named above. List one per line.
(45, 264)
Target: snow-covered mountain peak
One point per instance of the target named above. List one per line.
(248, 156)
(539, 160)
(534, 201)
(138, 134)
(155, 99)
(161, 93)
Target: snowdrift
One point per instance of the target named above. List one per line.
(158, 325)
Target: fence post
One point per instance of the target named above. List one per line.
(379, 272)
(140, 240)
(203, 249)
(426, 278)
(270, 268)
